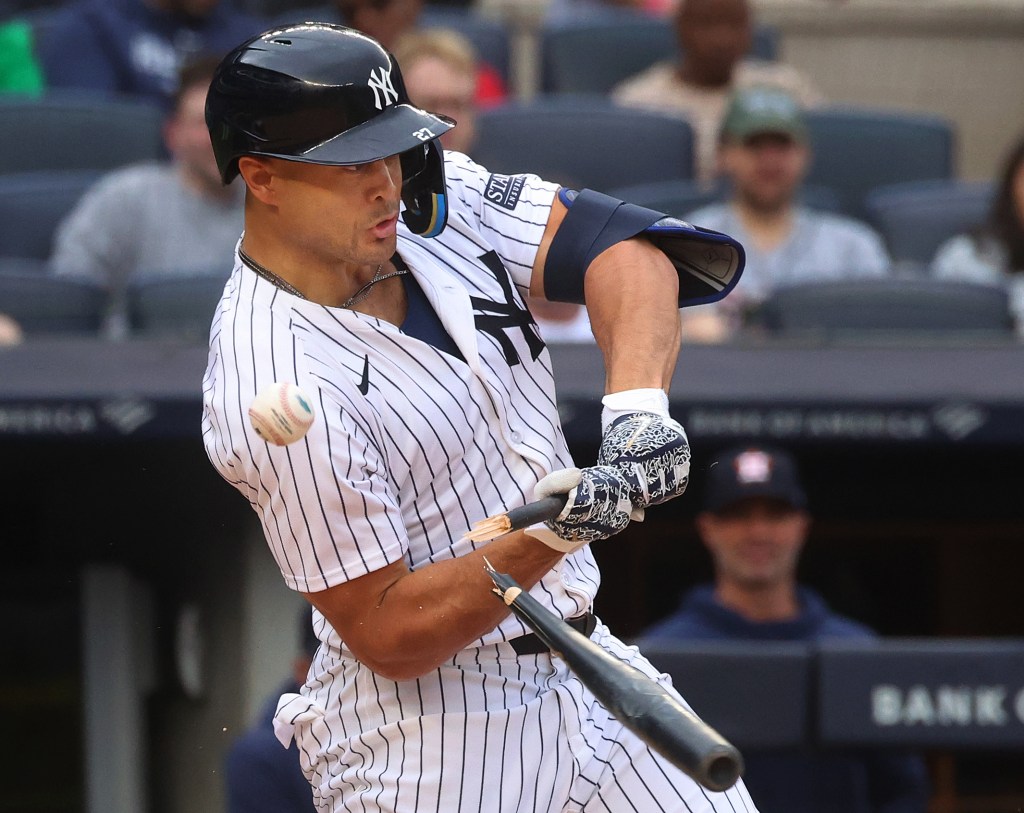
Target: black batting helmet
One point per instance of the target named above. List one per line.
(326, 94)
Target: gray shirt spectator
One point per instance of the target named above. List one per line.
(984, 260)
(994, 254)
(143, 220)
(155, 218)
(764, 151)
(820, 246)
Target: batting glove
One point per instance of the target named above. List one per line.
(651, 452)
(597, 506)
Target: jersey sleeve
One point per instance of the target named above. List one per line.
(327, 512)
(328, 509)
(510, 211)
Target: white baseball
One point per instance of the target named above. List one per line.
(281, 414)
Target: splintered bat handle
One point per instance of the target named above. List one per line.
(542, 510)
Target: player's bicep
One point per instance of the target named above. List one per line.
(555, 219)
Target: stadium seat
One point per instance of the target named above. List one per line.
(893, 306)
(42, 19)
(175, 305)
(916, 218)
(857, 150)
(32, 205)
(679, 198)
(595, 55)
(76, 130)
(43, 305)
(489, 37)
(584, 142)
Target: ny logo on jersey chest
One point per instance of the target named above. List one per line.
(494, 318)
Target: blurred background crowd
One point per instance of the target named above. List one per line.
(692, 108)
(868, 154)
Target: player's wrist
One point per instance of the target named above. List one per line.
(542, 533)
(625, 402)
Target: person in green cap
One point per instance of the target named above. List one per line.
(764, 151)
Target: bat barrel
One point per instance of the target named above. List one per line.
(722, 770)
(645, 707)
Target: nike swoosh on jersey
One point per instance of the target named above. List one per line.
(364, 382)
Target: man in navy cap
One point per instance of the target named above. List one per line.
(754, 523)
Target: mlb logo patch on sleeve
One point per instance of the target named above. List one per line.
(504, 190)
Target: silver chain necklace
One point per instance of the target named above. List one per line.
(284, 285)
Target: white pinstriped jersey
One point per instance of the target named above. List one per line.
(435, 443)
(409, 448)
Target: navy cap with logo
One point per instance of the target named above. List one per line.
(753, 472)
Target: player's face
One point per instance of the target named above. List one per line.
(188, 139)
(346, 214)
(437, 86)
(756, 542)
(766, 169)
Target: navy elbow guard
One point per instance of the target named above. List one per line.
(709, 263)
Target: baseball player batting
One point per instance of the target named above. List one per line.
(386, 280)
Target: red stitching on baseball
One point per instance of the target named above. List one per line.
(287, 409)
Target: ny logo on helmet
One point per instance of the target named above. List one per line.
(382, 87)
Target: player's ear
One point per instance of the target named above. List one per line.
(258, 175)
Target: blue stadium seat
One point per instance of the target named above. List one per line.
(179, 306)
(584, 142)
(915, 218)
(32, 205)
(679, 198)
(489, 37)
(42, 18)
(888, 306)
(595, 55)
(77, 130)
(857, 150)
(46, 305)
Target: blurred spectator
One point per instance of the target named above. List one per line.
(10, 331)
(439, 68)
(137, 47)
(19, 69)
(995, 253)
(387, 20)
(562, 11)
(754, 524)
(764, 152)
(155, 218)
(261, 776)
(714, 36)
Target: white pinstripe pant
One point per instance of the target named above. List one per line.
(534, 740)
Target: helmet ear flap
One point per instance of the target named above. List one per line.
(423, 189)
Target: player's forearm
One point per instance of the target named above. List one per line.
(420, 619)
(632, 293)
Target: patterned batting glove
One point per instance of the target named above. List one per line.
(597, 507)
(652, 454)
